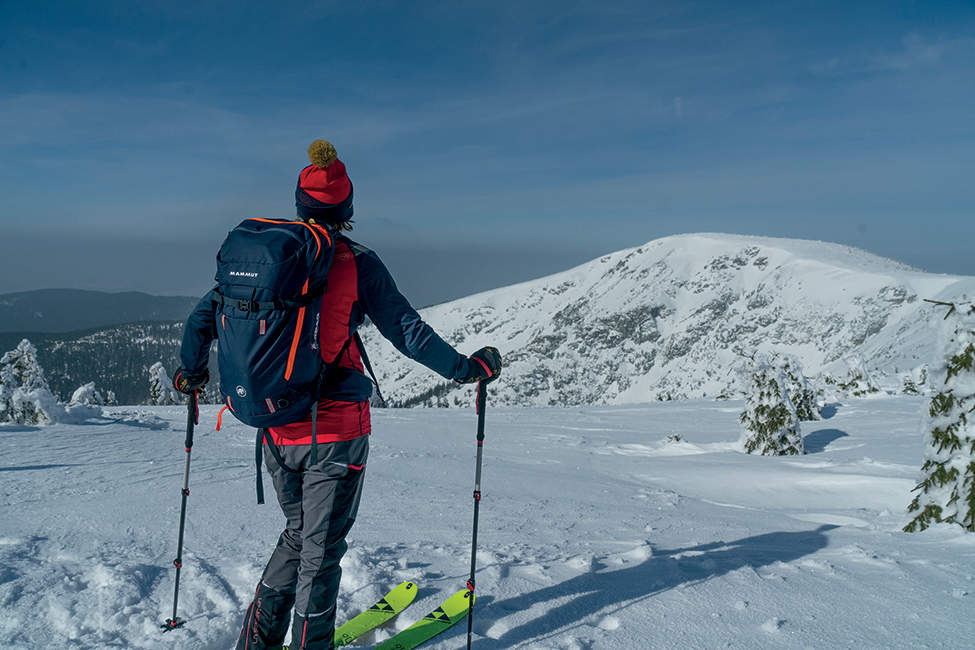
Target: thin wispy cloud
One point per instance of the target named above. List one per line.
(914, 53)
(624, 120)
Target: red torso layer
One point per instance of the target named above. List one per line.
(336, 420)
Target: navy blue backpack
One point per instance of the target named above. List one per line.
(271, 276)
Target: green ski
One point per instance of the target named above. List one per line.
(451, 611)
(386, 608)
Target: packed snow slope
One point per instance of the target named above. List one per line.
(598, 530)
(680, 317)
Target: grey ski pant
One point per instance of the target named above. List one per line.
(320, 503)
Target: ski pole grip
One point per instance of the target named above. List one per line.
(191, 411)
(481, 403)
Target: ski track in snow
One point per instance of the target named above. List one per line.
(597, 531)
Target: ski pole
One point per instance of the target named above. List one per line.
(481, 403)
(192, 417)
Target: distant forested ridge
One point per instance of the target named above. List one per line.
(71, 310)
(115, 358)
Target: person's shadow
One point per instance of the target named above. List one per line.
(596, 591)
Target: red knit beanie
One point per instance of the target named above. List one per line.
(324, 191)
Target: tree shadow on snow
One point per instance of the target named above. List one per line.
(24, 468)
(817, 441)
(153, 425)
(829, 410)
(594, 592)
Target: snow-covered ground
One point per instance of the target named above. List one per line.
(596, 531)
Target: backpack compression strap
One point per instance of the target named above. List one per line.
(365, 362)
(253, 305)
(263, 435)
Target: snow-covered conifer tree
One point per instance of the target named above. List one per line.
(24, 367)
(111, 399)
(26, 397)
(161, 391)
(858, 381)
(947, 491)
(804, 397)
(770, 422)
(7, 385)
(914, 381)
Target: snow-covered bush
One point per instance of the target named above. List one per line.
(87, 395)
(770, 424)
(947, 491)
(908, 385)
(913, 382)
(858, 381)
(85, 402)
(161, 391)
(38, 406)
(25, 397)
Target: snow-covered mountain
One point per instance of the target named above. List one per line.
(679, 317)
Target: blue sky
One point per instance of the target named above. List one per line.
(488, 142)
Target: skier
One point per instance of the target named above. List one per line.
(320, 500)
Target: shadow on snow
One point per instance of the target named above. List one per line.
(17, 428)
(595, 592)
(829, 410)
(24, 468)
(817, 441)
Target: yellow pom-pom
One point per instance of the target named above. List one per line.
(322, 153)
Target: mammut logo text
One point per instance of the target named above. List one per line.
(243, 274)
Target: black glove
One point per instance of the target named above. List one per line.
(485, 364)
(187, 382)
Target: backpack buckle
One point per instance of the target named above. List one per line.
(248, 305)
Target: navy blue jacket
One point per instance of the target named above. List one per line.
(375, 296)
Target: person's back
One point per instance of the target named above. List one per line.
(317, 462)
